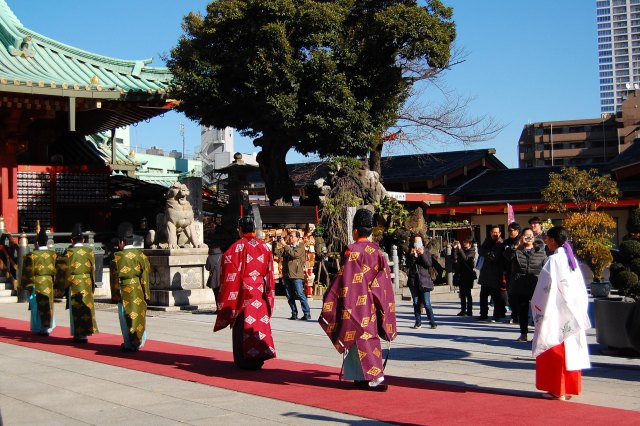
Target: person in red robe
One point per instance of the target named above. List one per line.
(359, 308)
(247, 298)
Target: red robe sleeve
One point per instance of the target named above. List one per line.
(269, 279)
(230, 285)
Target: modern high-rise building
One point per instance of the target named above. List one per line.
(618, 51)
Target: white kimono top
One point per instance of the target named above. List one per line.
(559, 308)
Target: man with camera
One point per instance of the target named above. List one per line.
(491, 276)
(293, 255)
(419, 281)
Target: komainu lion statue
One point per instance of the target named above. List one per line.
(176, 227)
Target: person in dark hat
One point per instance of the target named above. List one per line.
(38, 274)
(75, 276)
(359, 307)
(247, 298)
(129, 281)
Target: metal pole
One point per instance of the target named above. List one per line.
(475, 257)
(182, 134)
(23, 249)
(396, 268)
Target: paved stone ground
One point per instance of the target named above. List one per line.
(45, 388)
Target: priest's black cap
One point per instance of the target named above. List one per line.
(246, 224)
(42, 238)
(77, 231)
(125, 230)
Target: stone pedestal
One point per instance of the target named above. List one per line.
(177, 279)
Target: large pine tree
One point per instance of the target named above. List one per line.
(324, 77)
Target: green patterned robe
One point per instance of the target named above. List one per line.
(76, 274)
(38, 274)
(130, 288)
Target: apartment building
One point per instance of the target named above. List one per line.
(590, 141)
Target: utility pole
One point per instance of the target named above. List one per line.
(182, 134)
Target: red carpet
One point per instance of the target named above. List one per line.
(408, 401)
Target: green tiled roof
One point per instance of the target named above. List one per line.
(101, 142)
(30, 59)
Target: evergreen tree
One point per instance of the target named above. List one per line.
(326, 77)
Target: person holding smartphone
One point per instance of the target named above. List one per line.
(420, 282)
(527, 258)
(463, 260)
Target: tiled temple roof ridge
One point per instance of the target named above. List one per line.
(30, 58)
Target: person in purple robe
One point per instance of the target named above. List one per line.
(359, 308)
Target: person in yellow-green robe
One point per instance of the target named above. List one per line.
(75, 276)
(130, 289)
(38, 274)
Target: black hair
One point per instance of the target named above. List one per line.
(363, 222)
(246, 224)
(526, 229)
(364, 231)
(534, 219)
(77, 233)
(469, 239)
(514, 225)
(77, 239)
(559, 234)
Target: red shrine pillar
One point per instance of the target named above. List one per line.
(9, 186)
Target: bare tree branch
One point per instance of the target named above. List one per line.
(445, 120)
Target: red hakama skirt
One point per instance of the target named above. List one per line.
(552, 375)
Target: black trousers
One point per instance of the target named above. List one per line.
(498, 302)
(466, 301)
(520, 305)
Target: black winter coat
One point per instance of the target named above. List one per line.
(419, 275)
(463, 261)
(493, 266)
(525, 269)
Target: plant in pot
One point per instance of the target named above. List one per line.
(618, 321)
(591, 237)
(625, 271)
(578, 194)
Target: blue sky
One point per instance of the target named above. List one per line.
(527, 61)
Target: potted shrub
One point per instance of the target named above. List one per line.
(625, 271)
(578, 194)
(591, 237)
(617, 321)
